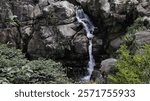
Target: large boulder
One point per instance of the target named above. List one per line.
(108, 65)
(61, 12)
(63, 36)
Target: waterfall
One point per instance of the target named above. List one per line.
(89, 28)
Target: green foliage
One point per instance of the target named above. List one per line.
(132, 68)
(12, 20)
(11, 60)
(43, 71)
(15, 68)
(137, 26)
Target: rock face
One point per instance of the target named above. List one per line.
(112, 17)
(45, 28)
(49, 28)
(108, 12)
(55, 32)
(143, 8)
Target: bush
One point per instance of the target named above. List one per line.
(132, 68)
(15, 68)
(11, 61)
(43, 71)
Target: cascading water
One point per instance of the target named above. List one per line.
(89, 28)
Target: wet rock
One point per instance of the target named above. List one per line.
(80, 44)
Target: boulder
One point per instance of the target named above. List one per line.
(67, 30)
(61, 12)
(115, 44)
(47, 43)
(142, 37)
(108, 65)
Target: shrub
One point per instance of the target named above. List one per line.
(15, 68)
(43, 71)
(132, 68)
(11, 61)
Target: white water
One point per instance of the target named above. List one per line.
(89, 28)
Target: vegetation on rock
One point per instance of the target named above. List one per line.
(138, 25)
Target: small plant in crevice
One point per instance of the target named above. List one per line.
(12, 20)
